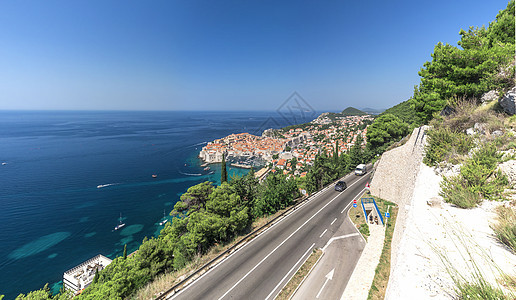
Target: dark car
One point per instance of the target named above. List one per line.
(340, 186)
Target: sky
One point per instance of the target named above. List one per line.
(222, 55)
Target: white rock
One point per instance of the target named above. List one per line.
(489, 96)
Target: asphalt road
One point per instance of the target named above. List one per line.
(260, 269)
(330, 276)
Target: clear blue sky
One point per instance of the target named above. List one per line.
(222, 55)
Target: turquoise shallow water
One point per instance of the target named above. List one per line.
(54, 216)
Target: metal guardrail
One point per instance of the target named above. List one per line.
(213, 262)
(379, 212)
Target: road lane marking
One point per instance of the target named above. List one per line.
(309, 200)
(281, 244)
(329, 277)
(352, 201)
(323, 232)
(338, 238)
(284, 277)
(333, 221)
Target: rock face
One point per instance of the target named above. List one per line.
(508, 102)
(489, 96)
(509, 169)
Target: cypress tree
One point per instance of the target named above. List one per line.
(125, 251)
(223, 172)
(336, 153)
(96, 277)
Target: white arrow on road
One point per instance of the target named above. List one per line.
(329, 276)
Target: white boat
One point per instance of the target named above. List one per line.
(4, 163)
(120, 224)
(104, 185)
(165, 219)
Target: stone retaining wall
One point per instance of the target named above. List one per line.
(395, 177)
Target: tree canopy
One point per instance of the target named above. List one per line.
(385, 130)
(483, 61)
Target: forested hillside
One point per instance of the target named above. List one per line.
(482, 61)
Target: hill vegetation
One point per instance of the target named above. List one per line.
(472, 140)
(405, 112)
(351, 111)
(482, 61)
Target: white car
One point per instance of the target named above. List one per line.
(361, 169)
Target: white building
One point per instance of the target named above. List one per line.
(81, 276)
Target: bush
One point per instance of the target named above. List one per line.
(453, 191)
(364, 230)
(480, 175)
(505, 228)
(446, 145)
(478, 179)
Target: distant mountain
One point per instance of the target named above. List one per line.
(373, 111)
(351, 111)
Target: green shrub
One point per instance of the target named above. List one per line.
(505, 228)
(364, 229)
(480, 175)
(481, 290)
(478, 179)
(453, 191)
(446, 145)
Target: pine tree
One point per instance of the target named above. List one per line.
(223, 172)
(125, 251)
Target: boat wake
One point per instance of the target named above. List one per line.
(198, 144)
(190, 174)
(105, 185)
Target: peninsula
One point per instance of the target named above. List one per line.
(291, 148)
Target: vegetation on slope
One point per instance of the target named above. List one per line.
(505, 226)
(328, 169)
(484, 62)
(471, 137)
(351, 111)
(385, 130)
(405, 112)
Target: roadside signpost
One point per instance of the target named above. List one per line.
(387, 215)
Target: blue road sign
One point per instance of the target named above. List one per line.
(354, 205)
(387, 215)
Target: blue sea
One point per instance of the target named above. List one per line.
(54, 217)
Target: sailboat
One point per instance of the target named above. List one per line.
(165, 219)
(120, 224)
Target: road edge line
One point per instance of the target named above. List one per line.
(307, 274)
(291, 269)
